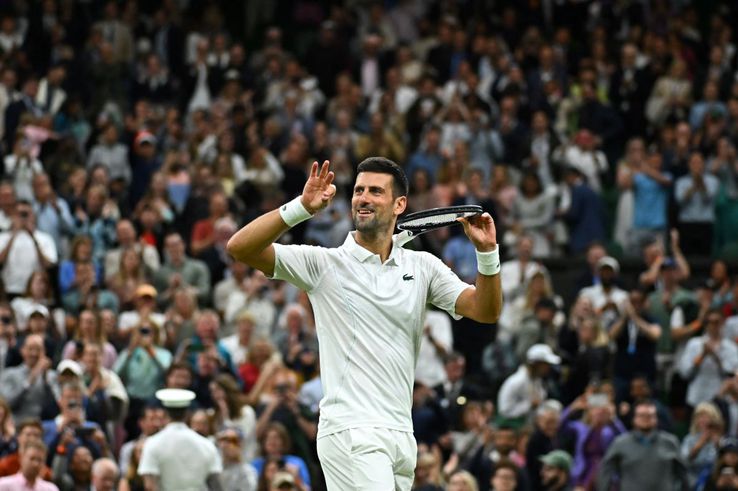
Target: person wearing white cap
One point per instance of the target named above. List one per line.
(607, 298)
(524, 390)
(177, 458)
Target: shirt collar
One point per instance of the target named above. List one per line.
(362, 254)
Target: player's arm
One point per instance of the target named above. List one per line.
(213, 482)
(252, 244)
(483, 302)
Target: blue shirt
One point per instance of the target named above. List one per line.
(55, 223)
(459, 252)
(651, 200)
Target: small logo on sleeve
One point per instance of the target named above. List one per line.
(284, 208)
(408, 277)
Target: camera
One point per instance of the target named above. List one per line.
(84, 431)
(281, 389)
(145, 331)
(73, 405)
(24, 214)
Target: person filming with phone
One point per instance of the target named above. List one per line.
(23, 250)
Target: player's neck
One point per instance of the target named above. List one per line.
(379, 243)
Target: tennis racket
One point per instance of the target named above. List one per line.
(424, 221)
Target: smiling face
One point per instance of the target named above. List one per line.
(373, 206)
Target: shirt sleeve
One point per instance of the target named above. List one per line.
(149, 463)
(444, 286)
(301, 265)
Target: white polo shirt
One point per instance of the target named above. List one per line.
(181, 458)
(369, 317)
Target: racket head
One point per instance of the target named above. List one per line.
(434, 218)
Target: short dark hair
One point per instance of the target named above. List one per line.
(382, 165)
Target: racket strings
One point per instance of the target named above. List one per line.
(436, 220)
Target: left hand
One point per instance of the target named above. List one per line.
(481, 231)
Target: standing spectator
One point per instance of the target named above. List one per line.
(543, 440)
(585, 214)
(7, 205)
(636, 336)
(24, 249)
(111, 154)
(696, 195)
(105, 475)
(435, 345)
(555, 474)
(231, 411)
(645, 457)
(583, 155)
(635, 156)
(238, 474)
(126, 237)
(607, 297)
(21, 166)
(532, 214)
(651, 190)
(151, 420)
(707, 359)
(52, 212)
(525, 390)
(27, 387)
(179, 270)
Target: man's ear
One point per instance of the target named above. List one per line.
(400, 205)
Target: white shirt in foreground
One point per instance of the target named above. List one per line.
(181, 458)
(369, 317)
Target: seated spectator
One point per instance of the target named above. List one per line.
(275, 442)
(31, 467)
(237, 273)
(255, 295)
(543, 440)
(98, 220)
(237, 472)
(126, 238)
(584, 216)
(524, 390)
(87, 293)
(105, 475)
(89, 330)
(80, 252)
(151, 420)
(591, 162)
(39, 293)
(41, 323)
(430, 424)
(29, 430)
(504, 478)
(238, 344)
(537, 327)
(71, 427)
(707, 359)
(203, 231)
(231, 411)
(205, 338)
(111, 153)
(141, 368)
(180, 271)
(435, 345)
(131, 480)
(588, 358)
(462, 481)
(74, 470)
(296, 342)
(8, 441)
(641, 390)
(10, 355)
(654, 256)
(428, 472)
(180, 318)
(26, 387)
(556, 471)
(532, 213)
(143, 309)
(700, 446)
(455, 386)
(52, 212)
(107, 399)
(131, 275)
(24, 249)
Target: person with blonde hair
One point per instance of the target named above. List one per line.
(700, 446)
(462, 481)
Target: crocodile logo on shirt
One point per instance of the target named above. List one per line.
(408, 277)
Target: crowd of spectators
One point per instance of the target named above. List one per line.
(137, 137)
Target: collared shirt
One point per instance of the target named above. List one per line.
(18, 482)
(26, 401)
(700, 207)
(185, 469)
(706, 379)
(517, 393)
(55, 223)
(369, 316)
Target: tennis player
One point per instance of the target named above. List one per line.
(369, 297)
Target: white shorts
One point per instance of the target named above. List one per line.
(368, 459)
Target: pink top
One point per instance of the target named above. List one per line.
(18, 482)
(108, 358)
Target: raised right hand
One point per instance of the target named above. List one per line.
(319, 189)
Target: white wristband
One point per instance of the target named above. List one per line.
(294, 212)
(488, 263)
